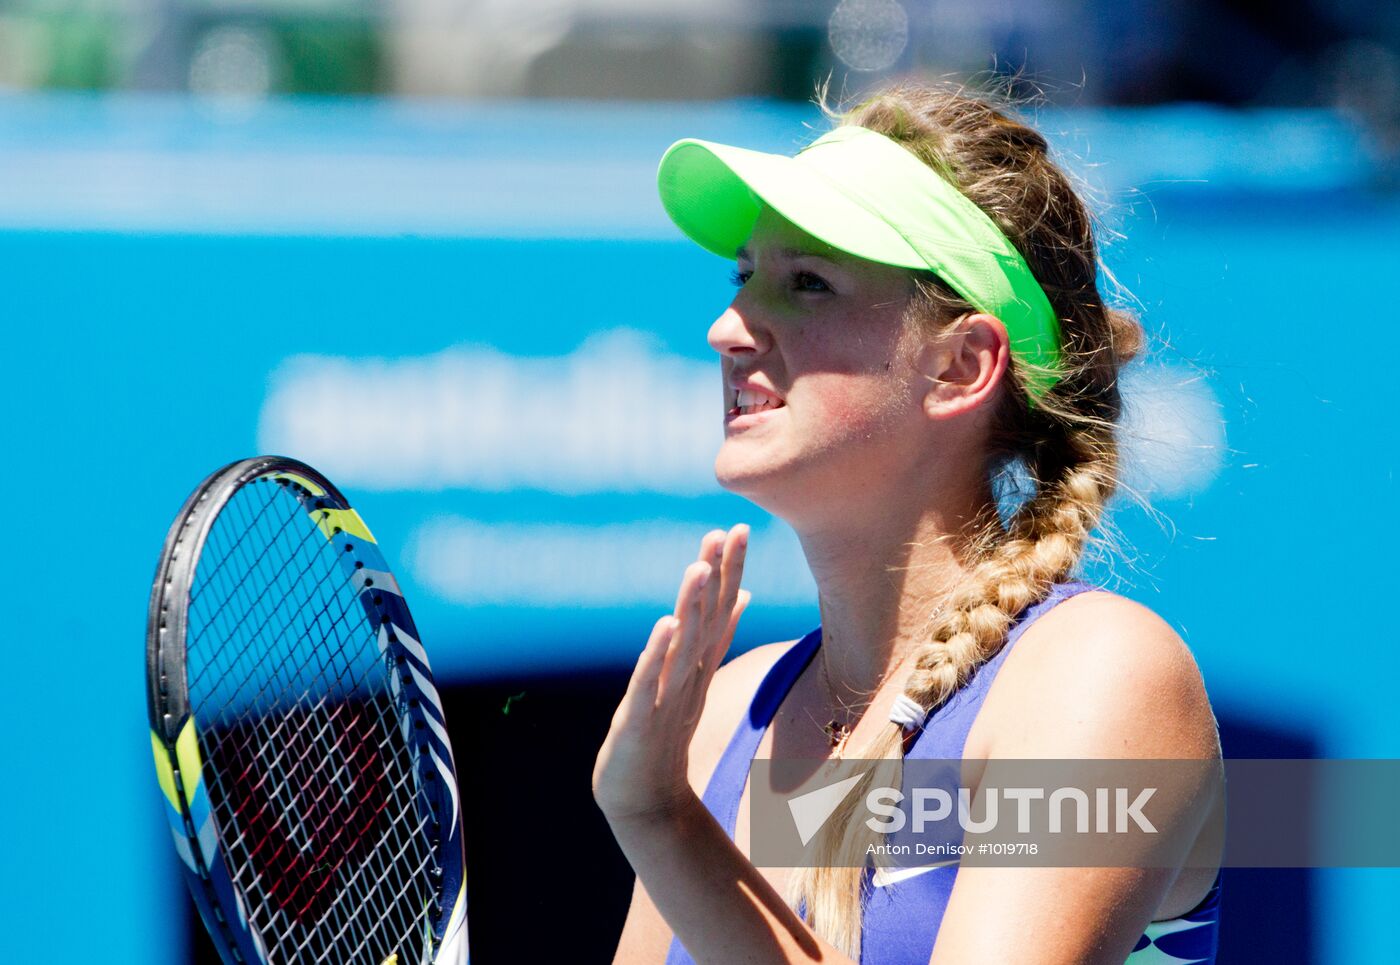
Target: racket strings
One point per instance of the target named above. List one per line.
(361, 831)
(397, 878)
(310, 775)
(342, 769)
(245, 531)
(235, 587)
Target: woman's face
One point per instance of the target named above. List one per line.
(824, 332)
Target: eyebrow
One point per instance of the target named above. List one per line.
(743, 252)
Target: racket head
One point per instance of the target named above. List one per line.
(297, 732)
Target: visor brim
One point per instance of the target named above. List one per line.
(714, 193)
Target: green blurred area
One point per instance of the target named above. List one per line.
(72, 50)
(289, 52)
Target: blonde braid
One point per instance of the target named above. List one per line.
(967, 632)
(1066, 445)
(1020, 571)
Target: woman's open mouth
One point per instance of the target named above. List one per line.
(750, 407)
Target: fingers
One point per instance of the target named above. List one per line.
(705, 611)
(699, 592)
(729, 549)
(646, 676)
(713, 550)
(740, 605)
(735, 549)
(687, 615)
(726, 551)
(694, 578)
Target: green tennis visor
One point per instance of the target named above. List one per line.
(864, 194)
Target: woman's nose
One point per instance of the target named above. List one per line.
(737, 332)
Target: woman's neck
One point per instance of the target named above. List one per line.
(877, 591)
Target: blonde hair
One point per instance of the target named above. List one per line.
(1065, 448)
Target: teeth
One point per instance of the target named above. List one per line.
(754, 401)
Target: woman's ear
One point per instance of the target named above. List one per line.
(964, 365)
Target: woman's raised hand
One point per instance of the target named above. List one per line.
(641, 768)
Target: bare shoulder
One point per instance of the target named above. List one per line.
(1099, 675)
(731, 692)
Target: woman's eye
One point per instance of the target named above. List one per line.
(808, 282)
(803, 281)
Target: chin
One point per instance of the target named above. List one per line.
(745, 477)
(818, 488)
(774, 488)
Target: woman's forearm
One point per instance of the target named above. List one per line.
(710, 895)
(715, 901)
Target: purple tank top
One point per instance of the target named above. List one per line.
(900, 921)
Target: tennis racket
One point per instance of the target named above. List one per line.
(298, 737)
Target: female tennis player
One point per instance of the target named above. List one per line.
(918, 309)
